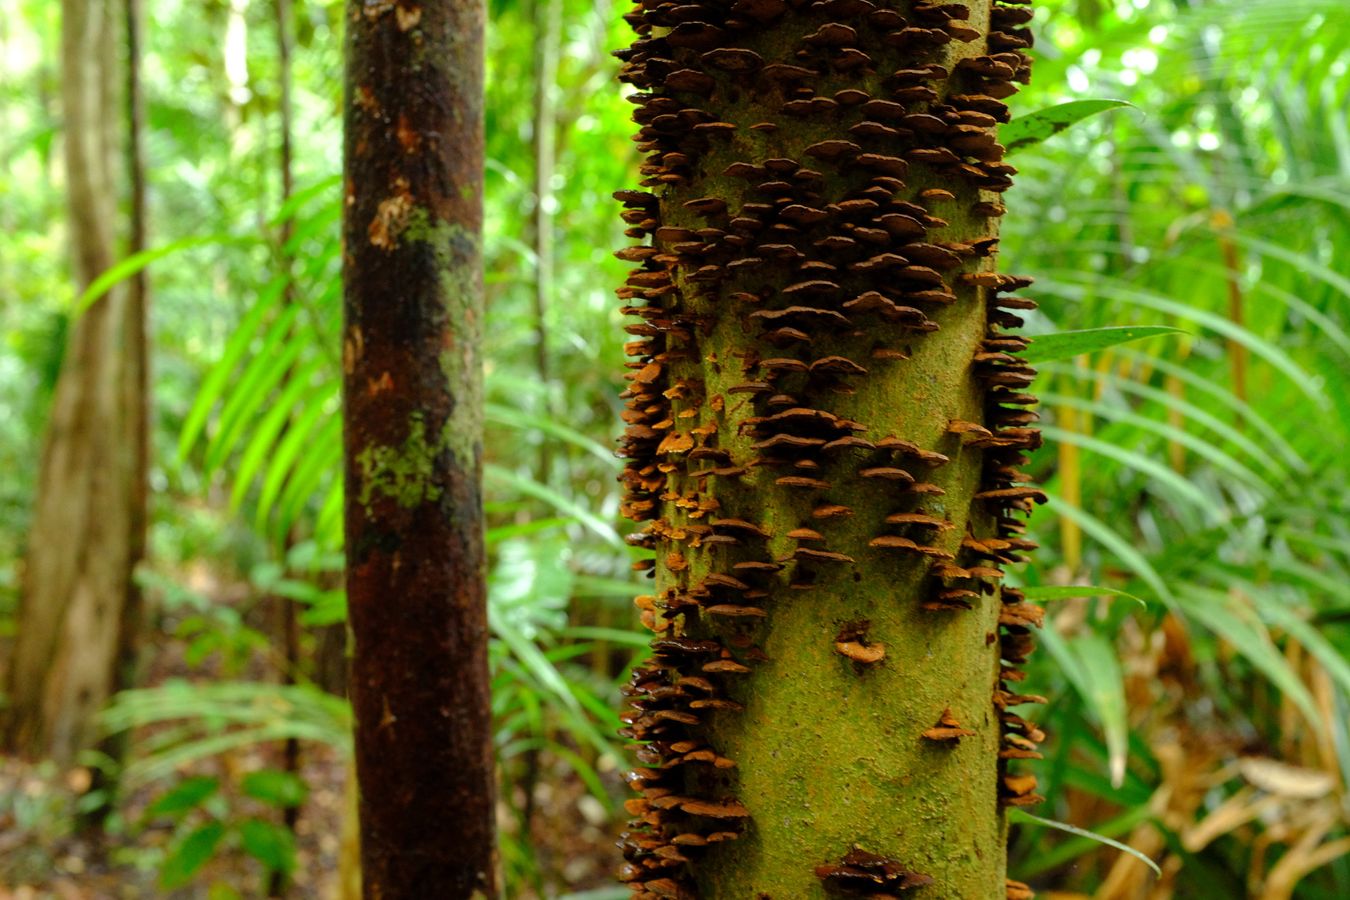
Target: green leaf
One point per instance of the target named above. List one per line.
(501, 414)
(528, 486)
(329, 608)
(125, 268)
(216, 383)
(251, 391)
(315, 430)
(1070, 591)
(1179, 485)
(263, 436)
(1191, 412)
(1068, 344)
(1115, 289)
(291, 207)
(616, 635)
(1024, 131)
(598, 586)
(1310, 637)
(190, 855)
(1236, 622)
(502, 533)
(1023, 817)
(275, 787)
(1182, 436)
(322, 461)
(187, 795)
(1112, 540)
(268, 843)
(1089, 661)
(1046, 859)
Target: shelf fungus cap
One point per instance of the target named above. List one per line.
(958, 426)
(831, 511)
(861, 873)
(805, 534)
(895, 542)
(865, 654)
(921, 519)
(947, 729)
(735, 610)
(726, 666)
(813, 555)
(726, 809)
(889, 473)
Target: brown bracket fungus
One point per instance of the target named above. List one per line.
(852, 643)
(947, 729)
(863, 874)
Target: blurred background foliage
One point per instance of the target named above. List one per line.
(1205, 473)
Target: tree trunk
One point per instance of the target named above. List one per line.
(547, 21)
(413, 394)
(287, 630)
(825, 421)
(80, 606)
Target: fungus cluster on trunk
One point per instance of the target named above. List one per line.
(802, 159)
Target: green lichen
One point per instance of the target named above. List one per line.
(409, 473)
(458, 257)
(461, 286)
(405, 474)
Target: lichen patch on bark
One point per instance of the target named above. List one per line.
(406, 473)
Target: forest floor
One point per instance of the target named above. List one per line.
(43, 856)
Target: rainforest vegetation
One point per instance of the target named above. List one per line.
(334, 464)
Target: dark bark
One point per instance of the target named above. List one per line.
(288, 624)
(139, 314)
(826, 420)
(412, 392)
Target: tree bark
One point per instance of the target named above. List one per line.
(287, 632)
(825, 423)
(547, 20)
(413, 395)
(79, 607)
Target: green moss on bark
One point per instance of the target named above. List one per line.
(819, 353)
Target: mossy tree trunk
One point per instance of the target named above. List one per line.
(413, 437)
(80, 607)
(826, 418)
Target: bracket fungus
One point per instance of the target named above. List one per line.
(826, 421)
(947, 729)
(864, 874)
(853, 643)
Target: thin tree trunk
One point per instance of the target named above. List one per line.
(413, 434)
(288, 619)
(138, 349)
(79, 608)
(825, 424)
(547, 21)
(548, 35)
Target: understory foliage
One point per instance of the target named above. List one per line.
(1204, 473)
